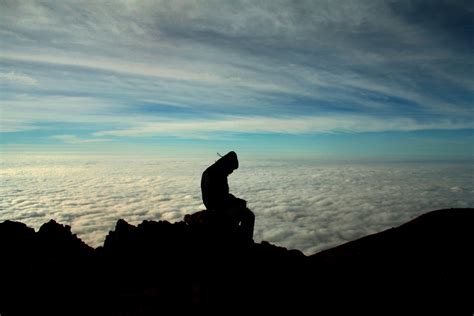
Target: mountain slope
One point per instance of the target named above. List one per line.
(421, 266)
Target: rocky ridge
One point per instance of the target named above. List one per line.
(422, 266)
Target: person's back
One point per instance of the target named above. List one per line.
(216, 196)
(214, 185)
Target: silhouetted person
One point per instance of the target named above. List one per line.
(216, 196)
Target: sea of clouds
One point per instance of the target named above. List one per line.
(305, 205)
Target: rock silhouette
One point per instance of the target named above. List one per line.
(423, 266)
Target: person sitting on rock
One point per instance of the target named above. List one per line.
(216, 196)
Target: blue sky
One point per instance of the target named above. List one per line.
(351, 79)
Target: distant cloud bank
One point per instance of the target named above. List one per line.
(308, 206)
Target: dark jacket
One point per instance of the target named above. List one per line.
(214, 185)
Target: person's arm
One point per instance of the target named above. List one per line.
(237, 201)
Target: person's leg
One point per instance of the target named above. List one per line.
(247, 223)
(231, 218)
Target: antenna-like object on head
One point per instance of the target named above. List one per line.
(219, 155)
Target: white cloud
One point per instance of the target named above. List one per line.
(288, 125)
(73, 139)
(17, 77)
(25, 112)
(121, 66)
(308, 206)
(243, 54)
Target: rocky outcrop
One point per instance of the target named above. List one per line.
(424, 266)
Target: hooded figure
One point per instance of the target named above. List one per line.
(216, 196)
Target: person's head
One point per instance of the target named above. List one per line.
(229, 162)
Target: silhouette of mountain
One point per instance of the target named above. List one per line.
(423, 266)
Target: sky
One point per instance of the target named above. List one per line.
(349, 117)
(328, 79)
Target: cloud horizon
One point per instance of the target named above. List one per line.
(304, 205)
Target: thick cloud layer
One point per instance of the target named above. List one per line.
(306, 205)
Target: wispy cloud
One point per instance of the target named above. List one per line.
(14, 77)
(283, 125)
(73, 139)
(197, 69)
(113, 65)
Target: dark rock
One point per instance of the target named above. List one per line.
(423, 267)
(58, 241)
(17, 261)
(16, 239)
